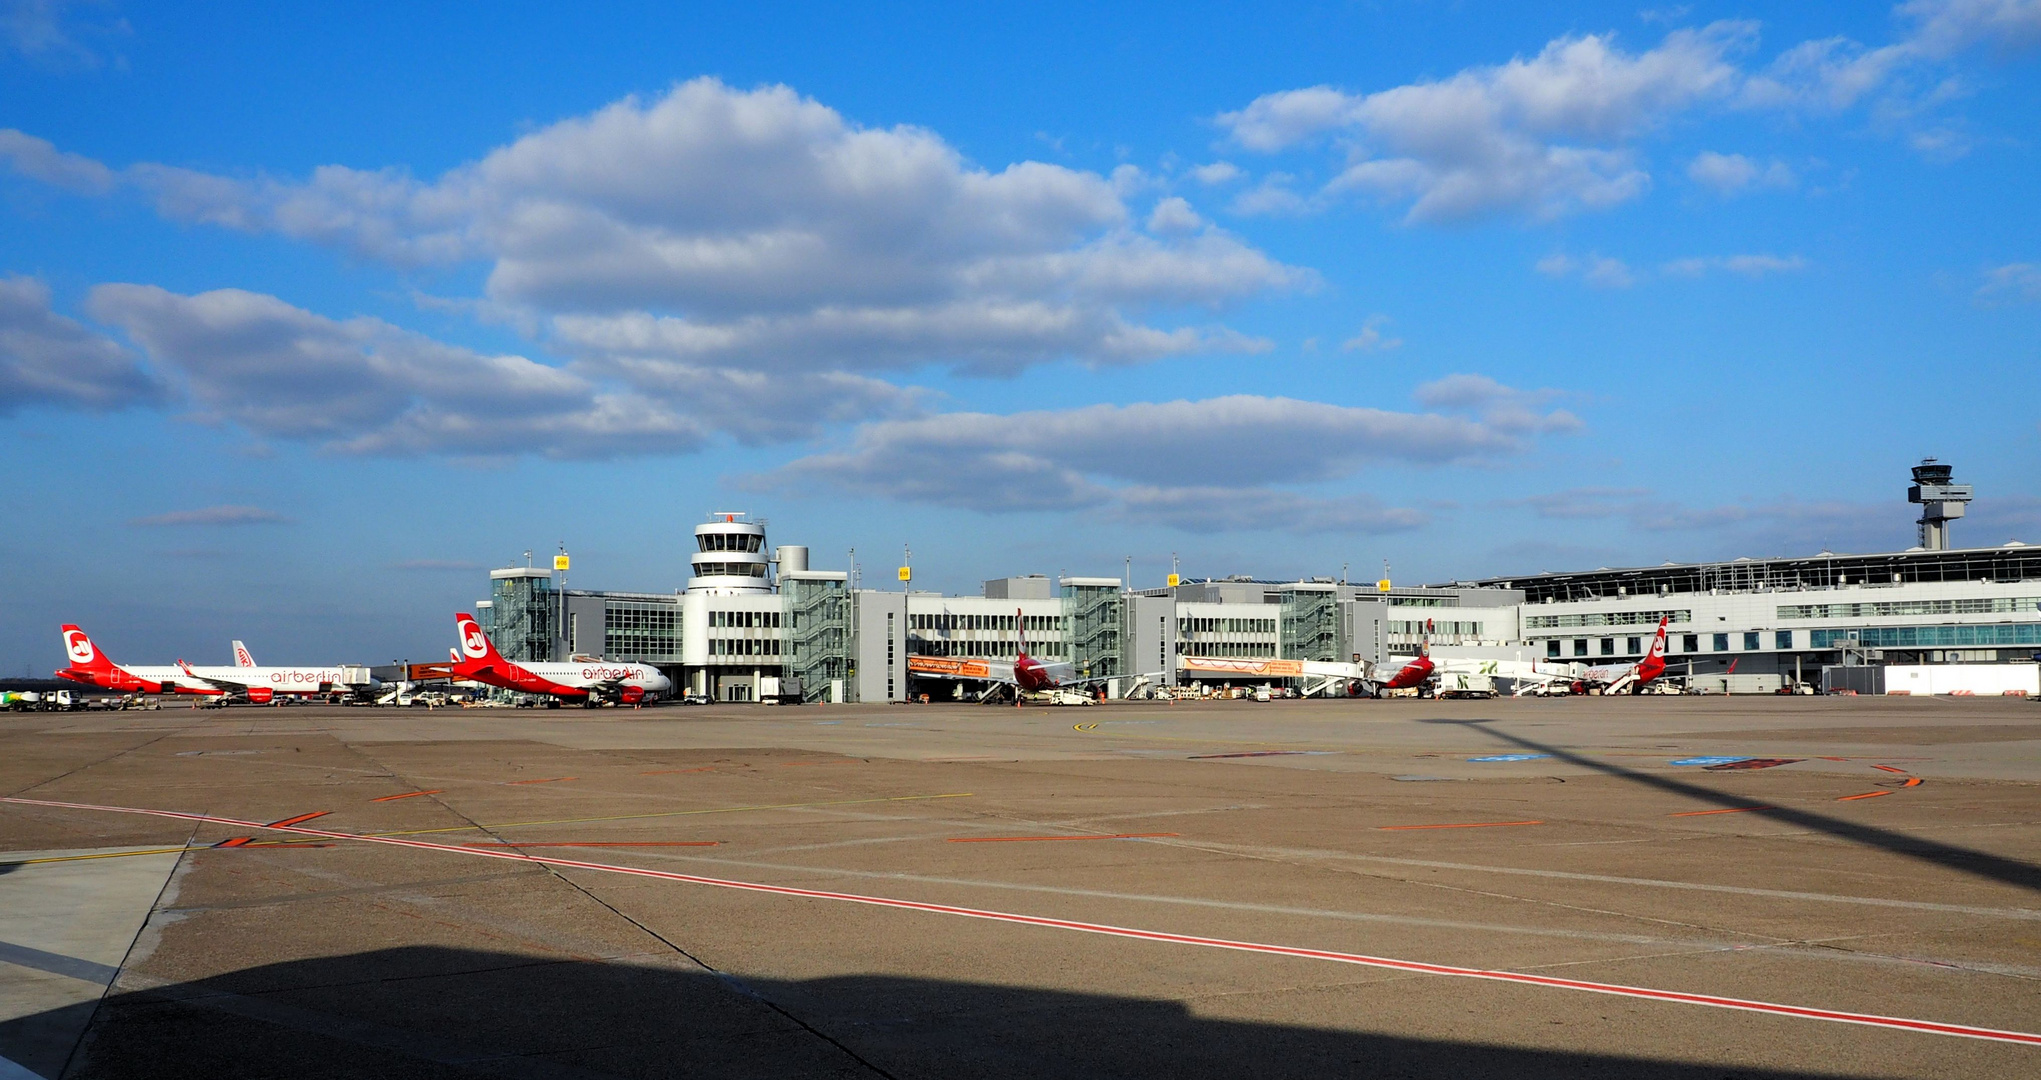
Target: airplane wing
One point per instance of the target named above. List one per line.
(971, 670)
(1066, 682)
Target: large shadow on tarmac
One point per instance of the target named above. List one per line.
(436, 1012)
(1964, 860)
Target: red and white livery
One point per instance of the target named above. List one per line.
(1630, 678)
(243, 681)
(589, 681)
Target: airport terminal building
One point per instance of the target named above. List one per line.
(755, 622)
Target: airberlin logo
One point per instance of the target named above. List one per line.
(79, 646)
(472, 641)
(609, 673)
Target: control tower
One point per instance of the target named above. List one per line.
(1941, 499)
(730, 557)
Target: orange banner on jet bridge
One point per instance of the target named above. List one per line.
(948, 667)
(1262, 669)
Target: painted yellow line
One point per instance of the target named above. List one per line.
(101, 855)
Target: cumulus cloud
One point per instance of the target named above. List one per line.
(1543, 135)
(1753, 266)
(1218, 172)
(761, 230)
(362, 386)
(1557, 132)
(1214, 464)
(213, 515)
(1730, 174)
(1371, 338)
(48, 359)
(2013, 281)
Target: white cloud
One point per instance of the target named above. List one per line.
(763, 230)
(47, 359)
(1215, 464)
(1784, 525)
(1600, 271)
(1218, 172)
(1729, 174)
(1501, 408)
(1948, 26)
(1370, 339)
(1753, 266)
(38, 160)
(1174, 215)
(1826, 75)
(362, 386)
(213, 515)
(2013, 281)
(1543, 136)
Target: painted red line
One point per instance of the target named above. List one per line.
(596, 843)
(410, 795)
(290, 821)
(663, 772)
(791, 764)
(1912, 781)
(1010, 839)
(1897, 1023)
(548, 780)
(1731, 810)
(1888, 768)
(1866, 795)
(1464, 825)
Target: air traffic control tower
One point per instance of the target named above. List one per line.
(1941, 501)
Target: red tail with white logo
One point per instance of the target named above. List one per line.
(477, 651)
(1653, 664)
(94, 668)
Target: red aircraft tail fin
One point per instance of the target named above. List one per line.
(83, 654)
(476, 648)
(1424, 644)
(1020, 626)
(1653, 664)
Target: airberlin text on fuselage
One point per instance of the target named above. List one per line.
(608, 673)
(304, 678)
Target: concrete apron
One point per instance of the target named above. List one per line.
(65, 929)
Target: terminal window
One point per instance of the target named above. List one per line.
(1552, 648)
(1750, 641)
(1636, 646)
(1722, 643)
(1783, 639)
(1690, 643)
(1608, 646)
(1580, 646)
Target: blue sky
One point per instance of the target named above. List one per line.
(306, 318)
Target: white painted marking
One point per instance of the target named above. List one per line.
(1896, 1023)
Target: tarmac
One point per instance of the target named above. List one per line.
(1638, 886)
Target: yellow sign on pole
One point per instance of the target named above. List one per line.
(1174, 581)
(1382, 585)
(906, 574)
(560, 563)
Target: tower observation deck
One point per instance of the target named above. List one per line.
(1941, 501)
(730, 557)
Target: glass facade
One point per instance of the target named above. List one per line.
(818, 635)
(1311, 625)
(1982, 605)
(1093, 612)
(525, 615)
(1604, 618)
(643, 631)
(1929, 637)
